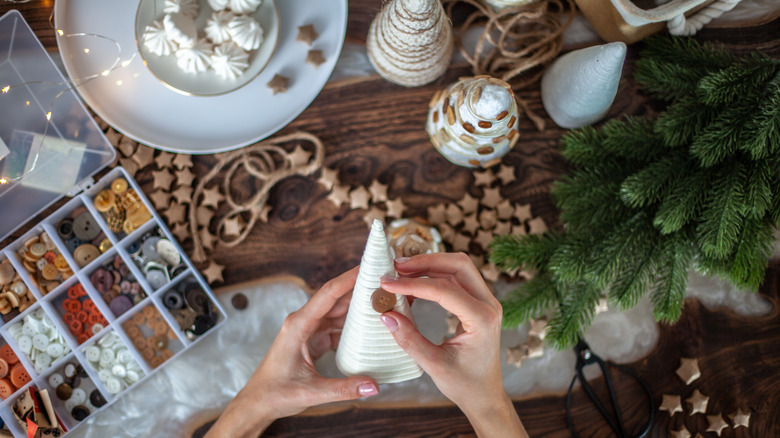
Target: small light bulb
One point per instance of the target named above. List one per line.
(6, 88)
(48, 115)
(3, 181)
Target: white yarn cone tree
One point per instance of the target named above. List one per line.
(579, 87)
(410, 41)
(367, 347)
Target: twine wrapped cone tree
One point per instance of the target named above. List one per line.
(410, 41)
(367, 347)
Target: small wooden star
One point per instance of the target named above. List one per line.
(461, 243)
(688, 370)
(162, 179)
(378, 191)
(446, 231)
(523, 212)
(504, 210)
(698, 402)
(232, 226)
(213, 272)
(516, 355)
(182, 161)
(740, 418)
(671, 404)
(490, 272)
(503, 227)
(181, 232)
(716, 424)
(484, 238)
(484, 178)
(358, 198)
(682, 432)
(160, 199)
(491, 198)
(506, 174)
(184, 177)
(315, 58)
(339, 195)
(278, 84)
(536, 327)
(395, 208)
(519, 230)
(307, 34)
(129, 165)
(113, 137)
(602, 306)
(207, 239)
(373, 213)
(470, 224)
(535, 346)
(452, 324)
(468, 203)
(143, 155)
(175, 213)
(328, 178)
(299, 157)
(454, 214)
(165, 159)
(204, 215)
(211, 197)
(487, 219)
(183, 194)
(537, 226)
(437, 214)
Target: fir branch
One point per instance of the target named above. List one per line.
(758, 189)
(532, 298)
(683, 121)
(751, 255)
(589, 199)
(672, 278)
(761, 136)
(736, 81)
(512, 252)
(651, 184)
(634, 139)
(571, 260)
(720, 139)
(582, 147)
(722, 216)
(683, 202)
(576, 311)
(613, 253)
(634, 277)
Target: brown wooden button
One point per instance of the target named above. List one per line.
(64, 391)
(50, 272)
(382, 300)
(239, 301)
(85, 254)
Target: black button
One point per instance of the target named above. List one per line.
(80, 413)
(97, 399)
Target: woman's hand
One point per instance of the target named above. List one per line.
(286, 383)
(467, 367)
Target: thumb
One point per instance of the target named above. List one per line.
(410, 339)
(341, 389)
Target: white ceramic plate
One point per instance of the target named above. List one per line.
(135, 102)
(206, 83)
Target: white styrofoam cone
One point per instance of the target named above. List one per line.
(367, 347)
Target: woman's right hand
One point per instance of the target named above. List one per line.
(467, 367)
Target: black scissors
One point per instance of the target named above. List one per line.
(586, 357)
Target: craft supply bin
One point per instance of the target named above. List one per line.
(50, 147)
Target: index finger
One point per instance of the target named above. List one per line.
(457, 266)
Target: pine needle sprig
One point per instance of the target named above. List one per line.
(722, 216)
(532, 298)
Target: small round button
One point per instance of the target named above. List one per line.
(85, 227)
(79, 395)
(79, 412)
(383, 301)
(85, 253)
(239, 301)
(64, 391)
(104, 201)
(96, 398)
(172, 299)
(92, 353)
(113, 385)
(3, 368)
(168, 252)
(69, 370)
(119, 186)
(65, 228)
(56, 380)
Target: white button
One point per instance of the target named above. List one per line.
(39, 367)
(113, 385)
(40, 341)
(15, 330)
(44, 359)
(55, 350)
(93, 353)
(79, 395)
(46, 322)
(132, 376)
(104, 374)
(118, 370)
(107, 355)
(69, 370)
(96, 328)
(56, 380)
(29, 329)
(124, 356)
(168, 252)
(25, 344)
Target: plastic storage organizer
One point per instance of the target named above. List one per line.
(50, 147)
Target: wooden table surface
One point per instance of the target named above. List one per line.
(374, 130)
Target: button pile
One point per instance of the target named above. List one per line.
(39, 339)
(192, 308)
(114, 363)
(81, 314)
(46, 265)
(15, 297)
(117, 285)
(158, 258)
(12, 373)
(121, 207)
(71, 386)
(83, 236)
(151, 335)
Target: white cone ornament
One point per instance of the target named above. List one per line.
(579, 87)
(410, 41)
(367, 347)
(501, 4)
(473, 123)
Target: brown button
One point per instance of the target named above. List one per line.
(382, 300)
(85, 254)
(159, 342)
(50, 272)
(239, 301)
(64, 391)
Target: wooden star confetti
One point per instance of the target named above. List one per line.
(181, 232)
(716, 424)
(395, 208)
(162, 179)
(278, 84)
(143, 155)
(378, 191)
(339, 195)
(502, 228)
(490, 272)
(519, 230)
(506, 174)
(307, 34)
(160, 199)
(698, 402)
(299, 157)
(671, 404)
(504, 210)
(468, 203)
(535, 346)
(328, 178)
(536, 226)
(204, 215)
(491, 198)
(232, 226)
(113, 137)
(452, 324)
(315, 58)
(183, 194)
(211, 197)
(484, 238)
(487, 219)
(207, 239)
(184, 177)
(682, 432)
(182, 161)
(446, 231)
(523, 212)
(213, 272)
(129, 165)
(454, 214)
(461, 243)
(688, 370)
(165, 159)
(175, 213)
(740, 419)
(484, 178)
(373, 213)
(437, 214)
(602, 305)
(470, 224)
(536, 327)
(358, 198)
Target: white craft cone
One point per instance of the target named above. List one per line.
(410, 42)
(579, 87)
(367, 347)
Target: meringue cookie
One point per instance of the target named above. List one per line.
(229, 60)
(181, 29)
(218, 5)
(156, 39)
(246, 32)
(195, 59)
(244, 6)
(187, 8)
(217, 26)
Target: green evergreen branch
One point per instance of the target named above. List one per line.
(575, 311)
(530, 251)
(751, 255)
(683, 202)
(722, 216)
(652, 183)
(532, 298)
(672, 277)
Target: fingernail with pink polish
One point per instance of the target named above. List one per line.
(367, 389)
(388, 279)
(389, 322)
(400, 260)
